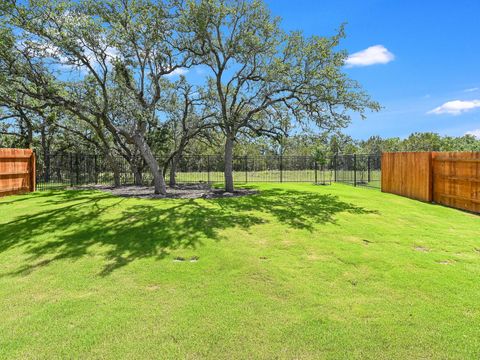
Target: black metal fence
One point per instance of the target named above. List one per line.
(63, 169)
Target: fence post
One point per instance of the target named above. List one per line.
(281, 168)
(77, 169)
(87, 173)
(335, 168)
(246, 168)
(95, 170)
(33, 172)
(368, 169)
(47, 165)
(71, 169)
(208, 169)
(354, 169)
(316, 170)
(253, 166)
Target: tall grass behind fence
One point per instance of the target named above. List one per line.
(59, 170)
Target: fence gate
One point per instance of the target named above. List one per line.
(17, 171)
(456, 179)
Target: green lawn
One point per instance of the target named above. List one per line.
(298, 271)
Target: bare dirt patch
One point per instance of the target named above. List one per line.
(184, 191)
(153, 287)
(446, 262)
(421, 249)
(182, 259)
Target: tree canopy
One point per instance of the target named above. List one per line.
(100, 74)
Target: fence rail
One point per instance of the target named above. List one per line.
(62, 169)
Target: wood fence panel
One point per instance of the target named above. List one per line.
(457, 180)
(408, 174)
(447, 178)
(17, 171)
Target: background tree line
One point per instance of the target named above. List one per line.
(308, 144)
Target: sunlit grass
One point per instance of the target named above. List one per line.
(297, 271)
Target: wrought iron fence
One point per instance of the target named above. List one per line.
(358, 169)
(63, 169)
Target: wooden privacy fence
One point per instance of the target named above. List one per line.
(408, 174)
(17, 171)
(447, 178)
(456, 179)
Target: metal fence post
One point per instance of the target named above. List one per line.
(87, 173)
(95, 170)
(47, 165)
(246, 168)
(354, 170)
(368, 170)
(45, 177)
(77, 169)
(253, 166)
(208, 169)
(335, 168)
(71, 169)
(281, 168)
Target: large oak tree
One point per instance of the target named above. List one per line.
(90, 52)
(258, 70)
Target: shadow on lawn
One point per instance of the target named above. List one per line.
(128, 230)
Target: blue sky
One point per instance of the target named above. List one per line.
(435, 46)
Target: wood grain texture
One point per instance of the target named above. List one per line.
(448, 178)
(457, 180)
(408, 174)
(17, 171)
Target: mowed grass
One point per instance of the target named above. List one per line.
(297, 271)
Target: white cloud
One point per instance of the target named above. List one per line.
(177, 72)
(455, 107)
(471, 89)
(372, 55)
(475, 133)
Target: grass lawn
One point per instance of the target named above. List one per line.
(298, 271)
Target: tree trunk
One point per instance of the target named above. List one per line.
(229, 165)
(173, 169)
(137, 175)
(158, 180)
(29, 136)
(116, 176)
(27, 132)
(174, 164)
(46, 154)
(114, 166)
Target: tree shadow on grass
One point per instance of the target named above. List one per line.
(296, 209)
(76, 223)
